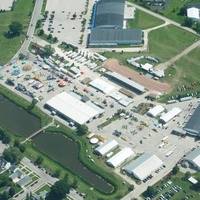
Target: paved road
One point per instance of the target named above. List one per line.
(36, 15)
(45, 178)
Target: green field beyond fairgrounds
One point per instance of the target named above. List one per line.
(9, 47)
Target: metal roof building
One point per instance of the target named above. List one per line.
(194, 158)
(170, 115)
(193, 125)
(101, 85)
(156, 110)
(129, 84)
(106, 147)
(72, 108)
(120, 157)
(109, 14)
(114, 37)
(143, 166)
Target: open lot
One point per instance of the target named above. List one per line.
(9, 46)
(64, 25)
(144, 21)
(6, 4)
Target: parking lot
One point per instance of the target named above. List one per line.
(66, 24)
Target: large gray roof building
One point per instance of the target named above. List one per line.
(109, 14)
(192, 127)
(115, 37)
(194, 158)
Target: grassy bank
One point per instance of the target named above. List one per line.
(21, 13)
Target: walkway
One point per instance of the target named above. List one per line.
(37, 132)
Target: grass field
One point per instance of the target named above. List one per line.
(9, 47)
(184, 71)
(144, 21)
(187, 187)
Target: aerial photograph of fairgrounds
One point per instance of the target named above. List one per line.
(99, 99)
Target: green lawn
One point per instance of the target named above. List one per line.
(166, 42)
(44, 187)
(185, 71)
(144, 21)
(184, 184)
(8, 47)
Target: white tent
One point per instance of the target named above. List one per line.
(170, 115)
(193, 13)
(156, 110)
(120, 157)
(143, 166)
(106, 147)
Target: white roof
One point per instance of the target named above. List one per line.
(116, 96)
(171, 114)
(106, 147)
(144, 166)
(72, 108)
(156, 110)
(125, 102)
(120, 157)
(147, 66)
(193, 13)
(192, 180)
(102, 85)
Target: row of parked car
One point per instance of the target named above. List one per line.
(170, 193)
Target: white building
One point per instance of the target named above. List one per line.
(120, 157)
(194, 158)
(153, 112)
(72, 108)
(106, 147)
(101, 85)
(170, 115)
(193, 13)
(143, 166)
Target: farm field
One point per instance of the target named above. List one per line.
(21, 13)
(144, 21)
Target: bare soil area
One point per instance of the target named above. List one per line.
(150, 84)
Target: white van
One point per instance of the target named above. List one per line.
(20, 75)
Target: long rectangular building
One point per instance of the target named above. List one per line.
(129, 84)
(120, 157)
(143, 166)
(72, 108)
(106, 147)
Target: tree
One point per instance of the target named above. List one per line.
(41, 32)
(82, 129)
(187, 175)
(16, 143)
(39, 160)
(49, 37)
(15, 28)
(150, 190)
(48, 50)
(197, 185)
(11, 191)
(188, 22)
(175, 170)
(22, 148)
(6, 139)
(57, 173)
(21, 56)
(39, 23)
(55, 39)
(59, 190)
(183, 11)
(4, 196)
(12, 155)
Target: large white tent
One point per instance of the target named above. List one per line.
(102, 85)
(170, 115)
(143, 166)
(72, 108)
(106, 147)
(153, 112)
(120, 157)
(193, 13)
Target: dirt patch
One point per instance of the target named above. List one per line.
(150, 84)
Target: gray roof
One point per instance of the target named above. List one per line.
(126, 81)
(110, 13)
(136, 163)
(193, 124)
(24, 181)
(193, 5)
(193, 154)
(115, 36)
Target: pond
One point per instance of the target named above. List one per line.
(65, 151)
(17, 120)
